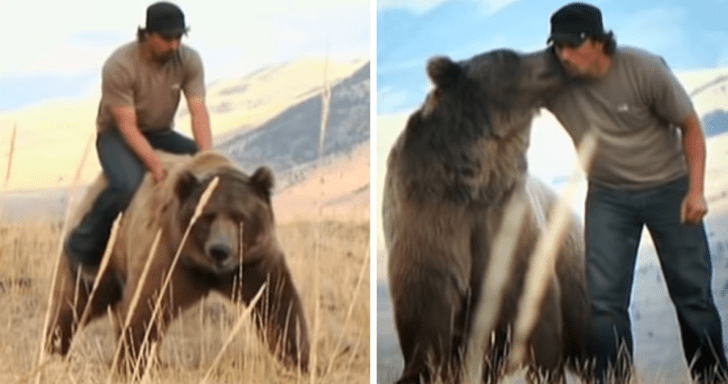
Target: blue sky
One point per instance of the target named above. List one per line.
(688, 34)
(56, 49)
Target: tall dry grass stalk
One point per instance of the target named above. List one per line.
(237, 286)
(317, 306)
(325, 112)
(498, 274)
(102, 268)
(500, 269)
(59, 253)
(349, 311)
(134, 301)
(236, 329)
(10, 157)
(9, 168)
(543, 259)
(325, 108)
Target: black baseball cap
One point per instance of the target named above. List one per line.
(574, 22)
(166, 19)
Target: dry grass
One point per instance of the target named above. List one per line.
(193, 345)
(10, 157)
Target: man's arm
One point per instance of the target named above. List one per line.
(694, 206)
(127, 123)
(200, 122)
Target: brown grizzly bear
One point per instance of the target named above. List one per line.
(450, 175)
(215, 257)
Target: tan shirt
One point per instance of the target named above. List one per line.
(154, 92)
(635, 111)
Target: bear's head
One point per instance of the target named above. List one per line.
(239, 207)
(468, 141)
(492, 93)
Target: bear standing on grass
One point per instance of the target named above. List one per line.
(450, 175)
(232, 248)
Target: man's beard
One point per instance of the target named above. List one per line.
(164, 57)
(575, 73)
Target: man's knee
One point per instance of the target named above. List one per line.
(191, 148)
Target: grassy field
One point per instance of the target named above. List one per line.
(329, 261)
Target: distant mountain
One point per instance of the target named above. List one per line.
(711, 97)
(721, 81)
(237, 104)
(290, 140)
(715, 123)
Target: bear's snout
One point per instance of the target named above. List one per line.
(219, 252)
(545, 69)
(222, 243)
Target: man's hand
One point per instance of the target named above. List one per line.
(158, 173)
(694, 207)
(127, 123)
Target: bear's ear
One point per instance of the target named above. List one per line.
(443, 72)
(186, 185)
(263, 180)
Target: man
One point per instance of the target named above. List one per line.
(141, 86)
(648, 171)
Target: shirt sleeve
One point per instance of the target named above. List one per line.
(194, 83)
(117, 87)
(668, 97)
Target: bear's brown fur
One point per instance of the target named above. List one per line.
(210, 259)
(450, 175)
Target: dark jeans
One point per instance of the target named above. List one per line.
(124, 172)
(614, 222)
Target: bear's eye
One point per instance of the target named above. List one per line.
(210, 216)
(238, 217)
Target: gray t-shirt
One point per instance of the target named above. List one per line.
(154, 92)
(635, 110)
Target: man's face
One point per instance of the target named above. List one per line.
(580, 61)
(163, 47)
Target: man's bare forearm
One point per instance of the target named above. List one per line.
(694, 148)
(694, 206)
(200, 123)
(126, 121)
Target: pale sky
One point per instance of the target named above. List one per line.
(421, 6)
(73, 37)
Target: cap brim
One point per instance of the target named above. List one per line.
(565, 38)
(172, 32)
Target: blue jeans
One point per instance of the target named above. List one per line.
(614, 222)
(124, 172)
